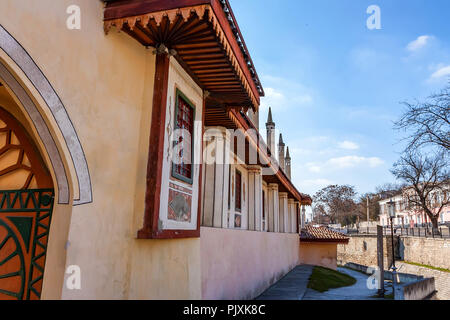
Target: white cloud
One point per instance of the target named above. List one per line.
(315, 169)
(354, 161)
(272, 93)
(419, 43)
(348, 145)
(442, 72)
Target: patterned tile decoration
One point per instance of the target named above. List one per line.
(322, 234)
(180, 204)
(25, 217)
(237, 221)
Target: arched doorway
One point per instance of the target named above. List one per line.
(26, 206)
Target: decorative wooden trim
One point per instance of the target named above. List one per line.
(210, 12)
(200, 178)
(37, 168)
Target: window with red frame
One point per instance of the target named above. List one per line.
(184, 119)
(238, 201)
(264, 210)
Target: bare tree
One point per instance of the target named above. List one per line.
(388, 190)
(427, 178)
(319, 214)
(428, 123)
(336, 203)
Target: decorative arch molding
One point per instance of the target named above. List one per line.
(23, 60)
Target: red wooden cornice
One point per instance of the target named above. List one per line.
(217, 41)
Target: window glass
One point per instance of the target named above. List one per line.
(238, 200)
(183, 147)
(238, 188)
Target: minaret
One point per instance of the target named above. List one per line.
(270, 126)
(281, 146)
(288, 163)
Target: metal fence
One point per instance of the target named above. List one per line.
(424, 231)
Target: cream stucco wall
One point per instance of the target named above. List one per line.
(238, 264)
(318, 254)
(106, 86)
(165, 269)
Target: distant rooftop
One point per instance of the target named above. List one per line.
(322, 234)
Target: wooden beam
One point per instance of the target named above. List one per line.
(156, 148)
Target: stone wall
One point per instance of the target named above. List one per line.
(363, 250)
(427, 251)
(423, 289)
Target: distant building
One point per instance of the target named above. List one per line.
(408, 217)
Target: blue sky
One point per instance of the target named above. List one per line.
(335, 86)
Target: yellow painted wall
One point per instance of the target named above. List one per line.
(105, 83)
(319, 254)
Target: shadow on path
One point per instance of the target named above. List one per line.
(291, 287)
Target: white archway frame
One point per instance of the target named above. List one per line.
(23, 60)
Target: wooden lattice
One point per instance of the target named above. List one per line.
(26, 205)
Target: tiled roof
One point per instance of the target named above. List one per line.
(321, 234)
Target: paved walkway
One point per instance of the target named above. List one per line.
(291, 287)
(294, 287)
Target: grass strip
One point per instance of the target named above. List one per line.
(324, 279)
(427, 266)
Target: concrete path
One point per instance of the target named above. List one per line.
(291, 287)
(358, 291)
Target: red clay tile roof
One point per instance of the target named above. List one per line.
(322, 234)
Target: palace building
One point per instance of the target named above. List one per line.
(131, 155)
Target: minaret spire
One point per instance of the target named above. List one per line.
(281, 146)
(288, 163)
(269, 118)
(270, 126)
